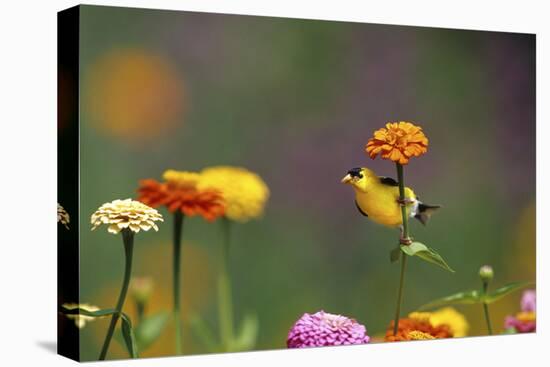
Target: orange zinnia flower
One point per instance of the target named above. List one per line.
(179, 192)
(398, 141)
(407, 325)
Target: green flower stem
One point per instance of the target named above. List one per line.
(403, 256)
(178, 227)
(486, 309)
(225, 307)
(400, 294)
(128, 239)
(402, 197)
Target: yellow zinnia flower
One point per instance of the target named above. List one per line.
(445, 316)
(122, 214)
(419, 335)
(181, 179)
(81, 320)
(244, 192)
(420, 316)
(450, 316)
(526, 316)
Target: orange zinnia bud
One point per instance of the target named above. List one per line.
(398, 141)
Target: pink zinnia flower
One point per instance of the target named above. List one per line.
(529, 301)
(526, 320)
(325, 329)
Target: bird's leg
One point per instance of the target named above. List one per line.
(402, 239)
(405, 201)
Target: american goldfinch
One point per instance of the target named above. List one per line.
(378, 198)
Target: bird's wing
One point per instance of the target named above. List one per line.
(359, 208)
(388, 181)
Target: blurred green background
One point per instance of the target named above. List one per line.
(296, 101)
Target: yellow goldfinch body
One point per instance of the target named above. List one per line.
(379, 202)
(377, 198)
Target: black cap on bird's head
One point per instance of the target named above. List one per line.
(354, 173)
(358, 177)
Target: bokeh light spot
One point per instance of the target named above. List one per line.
(133, 95)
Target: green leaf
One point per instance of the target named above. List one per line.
(425, 253)
(82, 311)
(127, 331)
(395, 254)
(464, 298)
(150, 328)
(505, 290)
(413, 248)
(119, 338)
(433, 257)
(203, 333)
(248, 334)
(129, 336)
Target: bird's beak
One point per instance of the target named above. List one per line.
(347, 178)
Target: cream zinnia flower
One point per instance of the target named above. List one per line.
(81, 320)
(121, 214)
(63, 216)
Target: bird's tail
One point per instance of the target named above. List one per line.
(425, 211)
